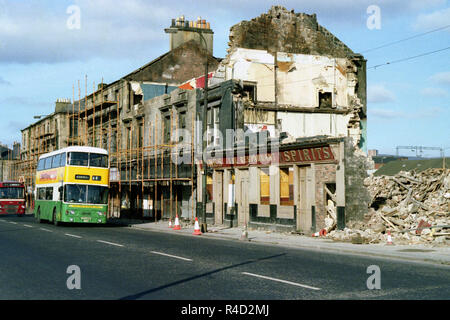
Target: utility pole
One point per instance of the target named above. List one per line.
(203, 226)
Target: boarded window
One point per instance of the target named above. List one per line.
(287, 186)
(264, 182)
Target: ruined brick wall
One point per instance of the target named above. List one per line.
(357, 195)
(286, 31)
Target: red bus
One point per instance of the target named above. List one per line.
(12, 198)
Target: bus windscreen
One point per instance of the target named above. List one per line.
(79, 193)
(11, 193)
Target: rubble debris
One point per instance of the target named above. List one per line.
(413, 207)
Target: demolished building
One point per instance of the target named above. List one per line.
(296, 92)
(290, 80)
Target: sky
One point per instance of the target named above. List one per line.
(48, 48)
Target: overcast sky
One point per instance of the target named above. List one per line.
(45, 50)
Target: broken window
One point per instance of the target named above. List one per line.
(325, 100)
(166, 125)
(137, 98)
(182, 120)
(249, 92)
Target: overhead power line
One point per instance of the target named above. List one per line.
(406, 39)
(408, 58)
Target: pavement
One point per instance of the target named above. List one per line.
(418, 253)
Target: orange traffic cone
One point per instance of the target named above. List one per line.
(322, 232)
(389, 238)
(170, 223)
(197, 231)
(177, 224)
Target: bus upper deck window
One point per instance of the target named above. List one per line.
(98, 160)
(78, 159)
(62, 162)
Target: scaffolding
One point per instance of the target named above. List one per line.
(139, 154)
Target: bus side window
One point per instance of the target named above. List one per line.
(60, 190)
(49, 193)
(41, 193)
(56, 159)
(48, 163)
(40, 165)
(62, 162)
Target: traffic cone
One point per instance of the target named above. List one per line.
(177, 224)
(322, 232)
(197, 231)
(170, 223)
(244, 235)
(389, 238)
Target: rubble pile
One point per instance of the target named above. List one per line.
(413, 207)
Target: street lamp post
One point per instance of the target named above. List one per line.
(204, 142)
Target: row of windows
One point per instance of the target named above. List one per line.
(82, 159)
(286, 186)
(76, 193)
(44, 193)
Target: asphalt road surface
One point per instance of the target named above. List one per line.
(41, 261)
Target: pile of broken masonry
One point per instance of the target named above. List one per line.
(413, 207)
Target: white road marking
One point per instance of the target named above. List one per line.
(27, 225)
(43, 229)
(111, 243)
(12, 222)
(169, 255)
(279, 280)
(72, 235)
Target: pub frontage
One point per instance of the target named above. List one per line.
(283, 187)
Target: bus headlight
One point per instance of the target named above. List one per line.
(70, 212)
(100, 213)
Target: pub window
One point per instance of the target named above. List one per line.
(264, 182)
(287, 186)
(231, 190)
(209, 187)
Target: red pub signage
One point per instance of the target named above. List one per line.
(301, 155)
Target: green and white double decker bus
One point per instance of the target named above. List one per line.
(72, 185)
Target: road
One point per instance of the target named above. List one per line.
(124, 263)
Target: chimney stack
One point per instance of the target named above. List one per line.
(182, 31)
